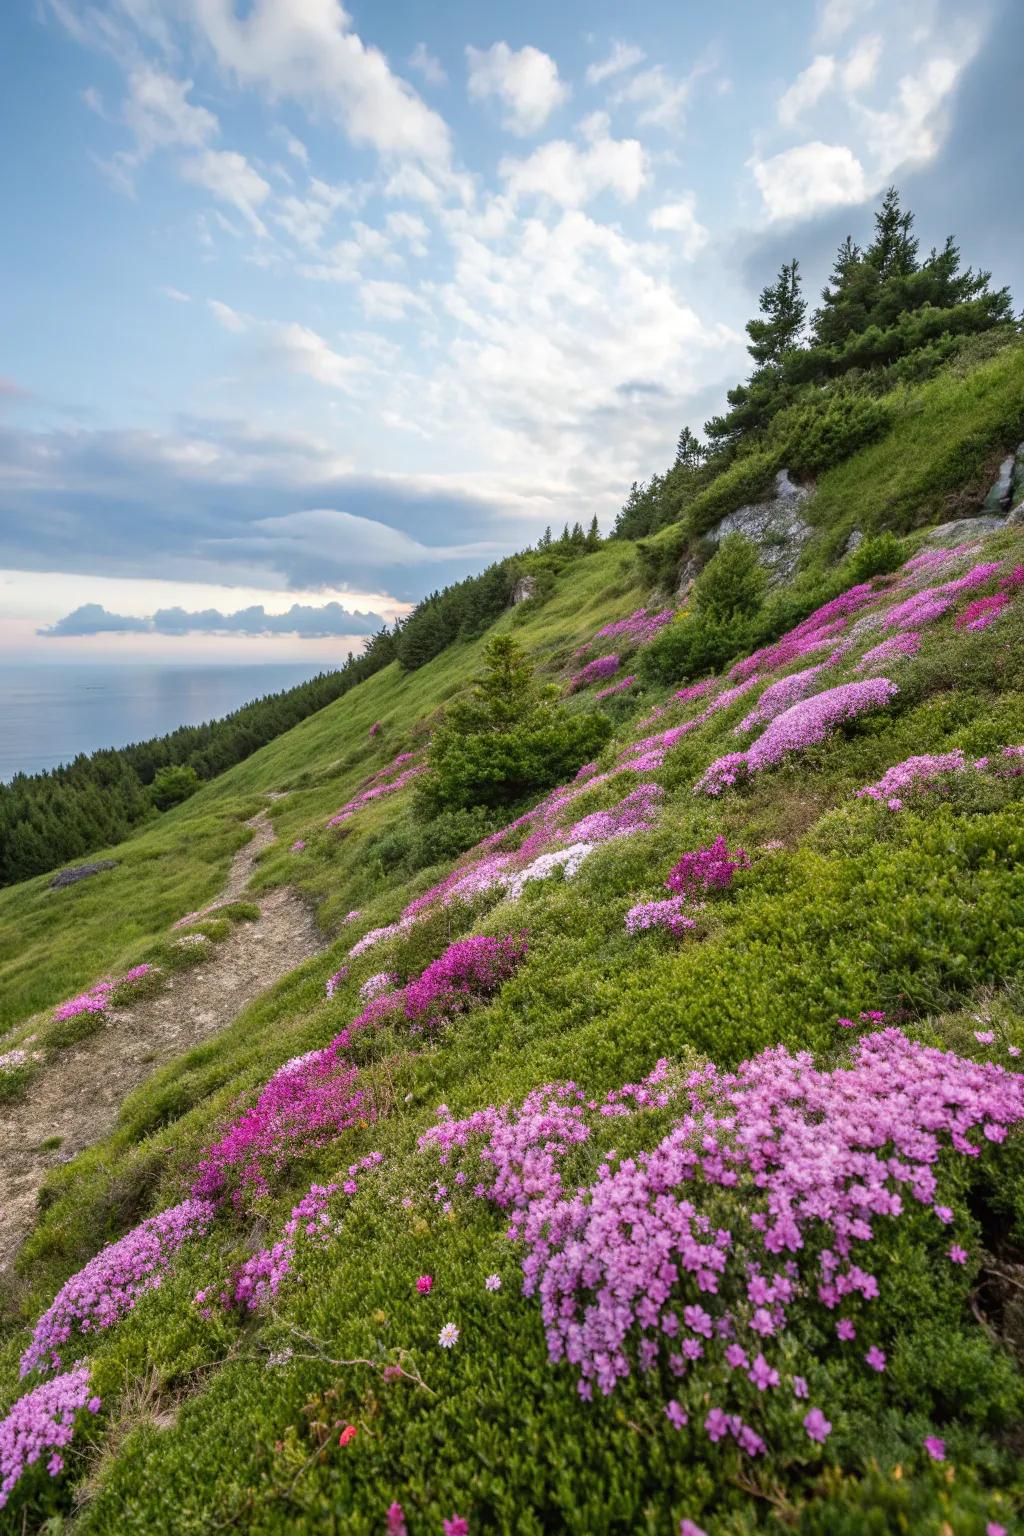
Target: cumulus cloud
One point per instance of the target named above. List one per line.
(428, 65)
(310, 52)
(623, 56)
(660, 98)
(525, 81)
(811, 177)
(910, 131)
(309, 622)
(861, 67)
(293, 347)
(679, 217)
(808, 88)
(571, 176)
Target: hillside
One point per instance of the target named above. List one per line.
(641, 1154)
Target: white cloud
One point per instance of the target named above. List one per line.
(175, 294)
(428, 65)
(808, 88)
(526, 81)
(680, 218)
(911, 130)
(295, 147)
(227, 318)
(660, 97)
(861, 67)
(838, 16)
(383, 300)
(287, 344)
(306, 219)
(572, 176)
(410, 228)
(159, 113)
(623, 56)
(229, 176)
(810, 177)
(308, 51)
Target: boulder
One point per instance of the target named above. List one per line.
(65, 877)
(998, 498)
(962, 528)
(774, 525)
(523, 590)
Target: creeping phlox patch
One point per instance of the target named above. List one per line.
(100, 996)
(695, 877)
(111, 1283)
(43, 1421)
(917, 776)
(692, 1262)
(385, 782)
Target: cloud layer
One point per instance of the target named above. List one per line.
(307, 622)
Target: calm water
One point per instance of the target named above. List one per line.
(48, 714)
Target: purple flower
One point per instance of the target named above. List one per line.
(957, 1254)
(676, 1416)
(875, 1357)
(716, 1424)
(845, 1329)
(817, 1426)
(762, 1374)
(799, 1387)
(935, 1447)
(42, 1421)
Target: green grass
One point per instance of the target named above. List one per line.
(845, 907)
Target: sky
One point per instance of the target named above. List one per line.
(308, 309)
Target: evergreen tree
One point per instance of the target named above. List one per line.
(690, 450)
(784, 308)
(594, 533)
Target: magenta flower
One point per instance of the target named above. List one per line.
(817, 1426)
(935, 1447)
(845, 1329)
(716, 1424)
(875, 1357)
(957, 1254)
(458, 1525)
(799, 1387)
(396, 1520)
(424, 1284)
(676, 1415)
(689, 1528)
(42, 1421)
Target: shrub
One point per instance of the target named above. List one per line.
(507, 738)
(173, 784)
(733, 583)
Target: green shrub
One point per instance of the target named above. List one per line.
(173, 784)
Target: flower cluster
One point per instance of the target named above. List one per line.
(983, 611)
(638, 629)
(659, 914)
(259, 1279)
(706, 869)
(111, 1283)
(928, 772)
(801, 726)
(394, 777)
(42, 1421)
(620, 687)
(13, 1061)
(373, 986)
(595, 672)
(335, 981)
(896, 648)
(641, 1268)
(468, 973)
(780, 695)
(99, 997)
(378, 935)
(306, 1104)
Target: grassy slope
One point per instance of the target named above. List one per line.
(919, 913)
(54, 942)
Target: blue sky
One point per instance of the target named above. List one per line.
(310, 307)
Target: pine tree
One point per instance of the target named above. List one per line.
(893, 252)
(784, 308)
(690, 451)
(594, 533)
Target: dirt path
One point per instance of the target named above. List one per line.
(78, 1095)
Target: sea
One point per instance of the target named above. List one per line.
(49, 713)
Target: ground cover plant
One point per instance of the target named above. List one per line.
(633, 1158)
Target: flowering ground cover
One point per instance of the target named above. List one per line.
(759, 1251)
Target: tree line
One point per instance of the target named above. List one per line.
(886, 316)
(47, 819)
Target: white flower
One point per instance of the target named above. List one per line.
(449, 1336)
(493, 1283)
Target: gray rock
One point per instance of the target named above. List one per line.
(855, 540)
(999, 497)
(65, 877)
(1017, 485)
(524, 589)
(774, 524)
(964, 528)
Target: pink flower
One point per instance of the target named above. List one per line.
(935, 1447)
(875, 1357)
(396, 1520)
(676, 1416)
(817, 1426)
(424, 1283)
(716, 1424)
(688, 1528)
(458, 1525)
(799, 1387)
(845, 1329)
(348, 1434)
(958, 1254)
(984, 1036)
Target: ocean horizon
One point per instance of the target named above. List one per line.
(49, 713)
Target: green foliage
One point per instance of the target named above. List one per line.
(732, 585)
(506, 738)
(877, 555)
(173, 784)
